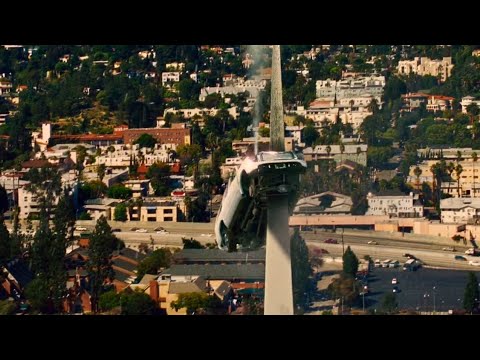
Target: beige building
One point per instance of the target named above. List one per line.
(159, 211)
(425, 66)
(460, 210)
(468, 100)
(29, 204)
(230, 167)
(356, 153)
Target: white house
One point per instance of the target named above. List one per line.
(404, 206)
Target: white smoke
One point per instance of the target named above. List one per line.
(255, 53)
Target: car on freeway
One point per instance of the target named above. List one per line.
(371, 242)
(331, 241)
(394, 281)
(244, 204)
(460, 257)
(141, 230)
(449, 248)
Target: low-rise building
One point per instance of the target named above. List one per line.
(356, 153)
(425, 66)
(468, 100)
(460, 210)
(326, 203)
(140, 188)
(97, 208)
(159, 211)
(170, 77)
(395, 205)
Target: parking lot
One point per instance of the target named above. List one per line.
(421, 290)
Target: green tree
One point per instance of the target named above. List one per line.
(301, 269)
(350, 263)
(473, 109)
(5, 242)
(345, 288)
(7, 307)
(471, 296)
(4, 206)
(109, 300)
(101, 169)
(102, 243)
(389, 303)
(193, 302)
(192, 244)
(160, 258)
(137, 303)
(159, 174)
(310, 135)
(37, 294)
(84, 216)
(146, 140)
(120, 213)
(417, 172)
(119, 191)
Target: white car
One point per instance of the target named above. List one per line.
(81, 228)
(474, 263)
(141, 230)
(162, 232)
(243, 208)
(206, 235)
(371, 242)
(394, 281)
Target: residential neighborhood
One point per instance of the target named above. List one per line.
(115, 161)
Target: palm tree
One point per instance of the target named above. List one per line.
(417, 171)
(342, 150)
(450, 169)
(359, 151)
(474, 158)
(458, 171)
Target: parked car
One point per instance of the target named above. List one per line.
(410, 256)
(81, 228)
(460, 257)
(159, 229)
(331, 241)
(394, 281)
(371, 242)
(474, 263)
(395, 289)
(162, 232)
(116, 230)
(141, 230)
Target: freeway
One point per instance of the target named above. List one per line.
(382, 241)
(430, 257)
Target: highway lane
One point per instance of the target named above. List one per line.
(382, 241)
(434, 258)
